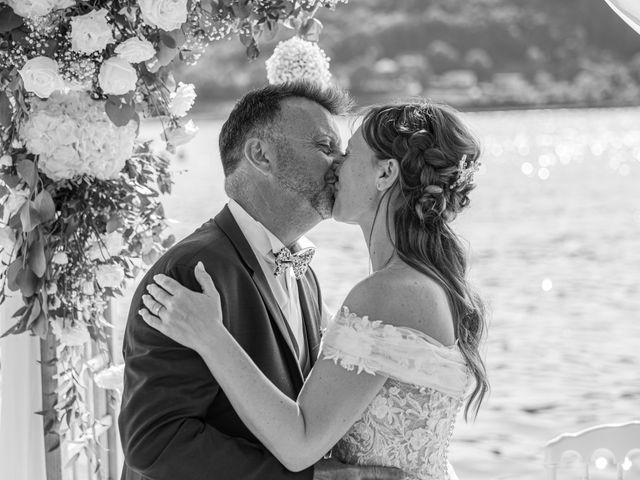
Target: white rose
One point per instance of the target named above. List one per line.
(110, 244)
(60, 258)
(135, 50)
(91, 32)
(71, 336)
(182, 99)
(111, 378)
(117, 76)
(6, 161)
(182, 135)
(165, 14)
(109, 276)
(40, 76)
(37, 8)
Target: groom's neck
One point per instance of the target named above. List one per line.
(288, 223)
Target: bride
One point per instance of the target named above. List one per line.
(401, 357)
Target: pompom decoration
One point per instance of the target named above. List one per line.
(298, 59)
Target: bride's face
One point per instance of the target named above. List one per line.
(356, 193)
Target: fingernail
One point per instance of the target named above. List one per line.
(200, 266)
(141, 311)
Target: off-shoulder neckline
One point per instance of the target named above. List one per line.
(345, 311)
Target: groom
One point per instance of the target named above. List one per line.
(277, 147)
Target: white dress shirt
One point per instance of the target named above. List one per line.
(284, 287)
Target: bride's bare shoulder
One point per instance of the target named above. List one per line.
(404, 298)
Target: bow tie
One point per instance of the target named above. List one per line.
(298, 261)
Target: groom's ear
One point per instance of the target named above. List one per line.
(259, 154)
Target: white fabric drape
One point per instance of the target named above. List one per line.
(21, 430)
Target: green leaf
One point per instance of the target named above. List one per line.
(253, 51)
(311, 29)
(35, 312)
(8, 19)
(40, 326)
(28, 283)
(114, 223)
(269, 30)
(11, 180)
(37, 259)
(17, 329)
(27, 170)
(13, 272)
(6, 114)
(45, 206)
(29, 217)
(168, 39)
(241, 8)
(120, 113)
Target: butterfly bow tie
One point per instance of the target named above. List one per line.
(298, 261)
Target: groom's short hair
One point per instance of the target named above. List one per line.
(257, 111)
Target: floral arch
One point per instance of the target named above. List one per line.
(79, 192)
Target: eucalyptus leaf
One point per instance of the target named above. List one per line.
(29, 217)
(37, 259)
(45, 206)
(11, 180)
(241, 8)
(13, 272)
(6, 113)
(28, 282)
(36, 310)
(119, 113)
(40, 326)
(27, 170)
(8, 19)
(168, 39)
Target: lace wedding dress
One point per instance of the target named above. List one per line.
(410, 422)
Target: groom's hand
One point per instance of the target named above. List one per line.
(332, 469)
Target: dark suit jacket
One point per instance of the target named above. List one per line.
(176, 423)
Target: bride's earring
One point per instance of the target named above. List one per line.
(379, 185)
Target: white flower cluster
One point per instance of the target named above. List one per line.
(298, 59)
(37, 8)
(73, 136)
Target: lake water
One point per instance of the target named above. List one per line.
(554, 236)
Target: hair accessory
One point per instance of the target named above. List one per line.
(466, 173)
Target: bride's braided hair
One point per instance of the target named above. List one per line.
(437, 156)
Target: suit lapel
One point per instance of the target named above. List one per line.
(227, 223)
(310, 311)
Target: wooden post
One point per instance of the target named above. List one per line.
(49, 368)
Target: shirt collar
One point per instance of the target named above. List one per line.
(258, 236)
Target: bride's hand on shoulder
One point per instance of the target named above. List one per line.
(186, 316)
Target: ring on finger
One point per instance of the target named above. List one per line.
(157, 309)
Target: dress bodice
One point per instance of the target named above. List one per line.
(410, 422)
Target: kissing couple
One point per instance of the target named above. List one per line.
(233, 368)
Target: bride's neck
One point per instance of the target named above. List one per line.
(379, 239)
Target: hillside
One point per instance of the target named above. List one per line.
(472, 53)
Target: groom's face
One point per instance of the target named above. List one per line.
(307, 145)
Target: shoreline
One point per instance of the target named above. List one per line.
(220, 110)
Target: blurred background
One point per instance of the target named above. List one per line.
(470, 53)
(552, 89)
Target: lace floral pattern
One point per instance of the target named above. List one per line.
(410, 422)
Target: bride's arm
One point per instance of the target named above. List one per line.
(297, 433)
